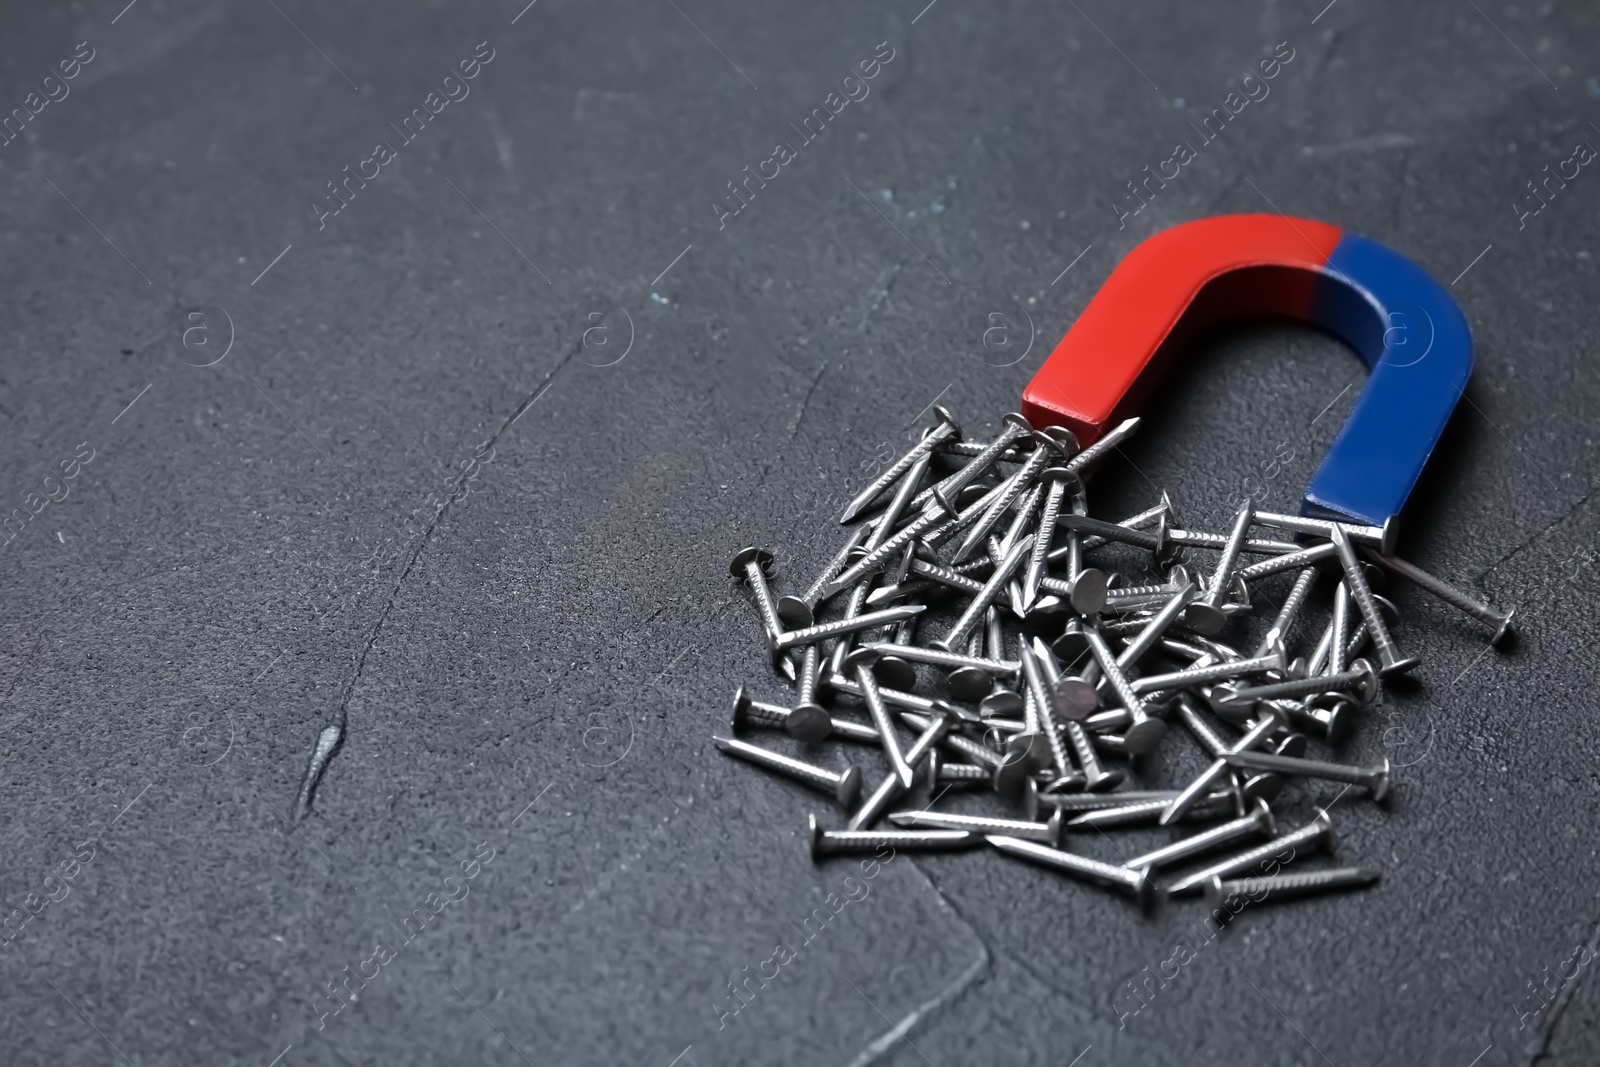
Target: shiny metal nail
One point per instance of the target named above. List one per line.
(1360, 681)
(1095, 452)
(1014, 428)
(1374, 778)
(1205, 615)
(1383, 536)
(1340, 624)
(1279, 630)
(1305, 557)
(945, 576)
(1499, 621)
(1259, 823)
(1314, 836)
(891, 787)
(979, 604)
(807, 720)
(754, 565)
(1144, 730)
(1221, 892)
(801, 608)
(822, 631)
(1269, 722)
(1095, 777)
(809, 725)
(947, 429)
(951, 660)
(861, 662)
(1145, 812)
(1057, 481)
(1273, 662)
(875, 559)
(1253, 545)
(1085, 586)
(843, 786)
(1390, 659)
(1135, 883)
(884, 526)
(854, 842)
(1051, 832)
(1045, 450)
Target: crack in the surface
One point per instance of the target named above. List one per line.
(331, 738)
(805, 403)
(1538, 1046)
(900, 1031)
(1539, 534)
(885, 283)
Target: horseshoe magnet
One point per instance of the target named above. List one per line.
(1404, 325)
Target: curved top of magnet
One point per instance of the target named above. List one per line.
(1193, 277)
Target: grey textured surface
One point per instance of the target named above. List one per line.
(256, 547)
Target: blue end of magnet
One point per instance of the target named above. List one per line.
(1416, 344)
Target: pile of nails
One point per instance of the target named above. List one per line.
(978, 638)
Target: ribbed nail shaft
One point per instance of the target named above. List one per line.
(1208, 777)
(1287, 886)
(1314, 835)
(1292, 604)
(814, 590)
(844, 786)
(1017, 428)
(1011, 489)
(991, 589)
(1043, 536)
(1375, 778)
(1143, 732)
(1047, 832)
(1222, 577)
(880, 718)
(822, 631)
(891, 788)
(1341, 629)
(1389, 655)
(1211, 672)
(1252, 825)
(898, 503)
(1143, 812)
(1367, 535)
(946, 430)
(1499, 621)
(854, 842)
(949, 660)
(1136, 883)
(945, 576)
(1358, 677)
(1305, 557)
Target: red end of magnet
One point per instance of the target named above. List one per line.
(1165, 291)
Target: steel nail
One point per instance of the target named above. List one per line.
(1137, 883)
(1258, 823)
(1389, 656)
(835, 842)
(891, 786)
(844, 786)
(1051, 832)
(861, 661)
(1221, 892)
(1318, 834)
(947, 429)
(1499, 621)
(822, 631)
(1375, 778)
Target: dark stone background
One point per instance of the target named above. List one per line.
(253, 546)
